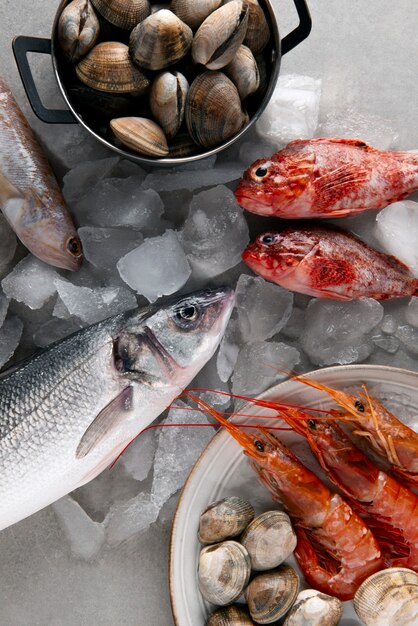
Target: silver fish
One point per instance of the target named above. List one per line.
(68, 412)
(30, 197)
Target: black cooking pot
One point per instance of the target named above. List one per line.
(90, 118)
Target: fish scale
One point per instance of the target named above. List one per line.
(69, 411)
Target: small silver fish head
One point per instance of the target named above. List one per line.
(175, 341)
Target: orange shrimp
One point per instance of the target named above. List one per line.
(390, 439)
(390, 509)
(336, 550)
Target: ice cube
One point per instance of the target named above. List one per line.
(229, 349)
(55, 330)
(411, 313)
(31, 282)
(208, 378)
(138, 458)
(8, 244)
(158, 267)
(10, 335)
(85, 536)
(86, 175)
(115, 202)
(130, 518)
(60, 310)
(296, 324)
(352, 124)
(397, 231)
(4, 306)
(408, 335)
(338, 332)
(258, 148)
(387, 343)
(215, 234)
(103, 247)
(390, 324)
(70, 144)
(94, 305)
(263, 308)
(178, 449)
(258, 366)
(208, 176)
(293, 110)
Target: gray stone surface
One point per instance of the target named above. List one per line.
(365, 53)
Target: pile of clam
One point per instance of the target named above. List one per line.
(185, 72)
(243, 559)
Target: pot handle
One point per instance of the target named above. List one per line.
(301, 31)
(21, 46)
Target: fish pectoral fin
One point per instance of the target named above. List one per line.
(8, 191)
(336, 185)
(105, 423)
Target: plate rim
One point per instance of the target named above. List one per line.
(335, 368)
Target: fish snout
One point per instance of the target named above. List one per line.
(252, 197)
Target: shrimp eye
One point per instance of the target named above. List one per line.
(311, 424)
(359, 406)
(74, 246)
(259, 445)
(268, 239)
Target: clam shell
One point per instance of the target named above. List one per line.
(224, 519)
(258, 31)
(160, 40)
(269, 539)
(78, 29)
(182, 146)
(313, 608)
(141, 135)
(213, 109)
(123, 13)
(109, 68)
(168, 100)
(194, 12)
(270, 595)
(224, 571)
(230, 616)
(388, 597)
(221, 34)
(243, 71)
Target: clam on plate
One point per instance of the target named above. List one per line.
(222, 470)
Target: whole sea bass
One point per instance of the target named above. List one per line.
(68, 412)
(327, 262)
(327, 178)
(30, 198)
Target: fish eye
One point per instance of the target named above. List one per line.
(261, 172)
(74, 246)
(187, 314)
(268, 239)
(311, 424)
(359, 406)
(259, 445)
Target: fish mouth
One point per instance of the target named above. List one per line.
(250, 197)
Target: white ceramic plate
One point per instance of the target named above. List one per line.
(222, 470)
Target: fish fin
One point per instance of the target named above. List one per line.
(336, 185)
(107, 420)
(357, 143)
(8, 191)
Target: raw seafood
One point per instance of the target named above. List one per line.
(327, 177)
(328, 263)
(29, 194)
(69, 411)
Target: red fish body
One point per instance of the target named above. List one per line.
(328, 263)
(327, 178)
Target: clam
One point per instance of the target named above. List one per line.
(230, 616)
(243, 71)
(221, 34)
(213, 109)
(168, 101)
(224, 571)
(123, 13)
(313, 608)
(160, 40)
(388, 597)
(270, 595)
(269, 539)
(194, 12)
(109, 68)
(141, 135)
(78, 29)
(182, 146)
(258, 31)
(224, 519)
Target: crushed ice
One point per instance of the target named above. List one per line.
(152, 233)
